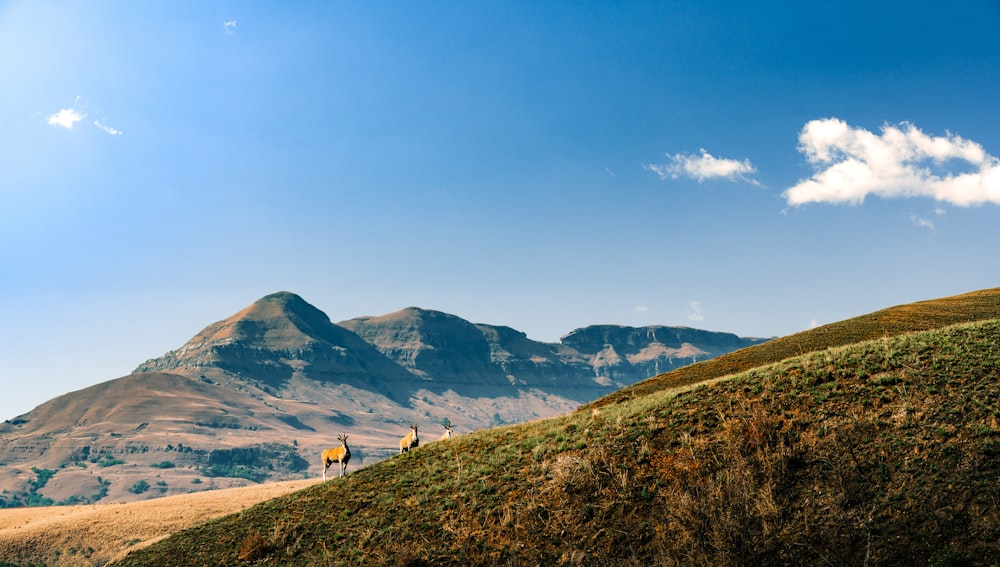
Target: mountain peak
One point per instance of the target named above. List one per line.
(282, 297)
(411, 313)
(281, 319)
(276, 337)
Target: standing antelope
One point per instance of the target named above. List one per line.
(447, 433)
(410, 441)
(339, 455)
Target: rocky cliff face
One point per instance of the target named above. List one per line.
(442, 350)
(626, 355)
(451, 352)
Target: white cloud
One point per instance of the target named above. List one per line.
(920, 222)
(641, 309)
(704, 167)
(66, 118)
(852, 163)
(229, 26)
(694, 313)
(108, 129)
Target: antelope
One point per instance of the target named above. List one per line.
(410, 441)
(447, 433)
(338, 455)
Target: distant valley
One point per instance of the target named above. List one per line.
(258, 395)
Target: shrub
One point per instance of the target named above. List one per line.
(238, 471)
(106, 461)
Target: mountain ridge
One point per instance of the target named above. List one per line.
(281, 376)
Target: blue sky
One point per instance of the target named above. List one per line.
(544, 166)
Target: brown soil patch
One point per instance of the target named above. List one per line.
(96, 534)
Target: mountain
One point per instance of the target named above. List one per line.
(277, 338)
(876, 442)
(260, 394)
(621, 353)
(447, 352)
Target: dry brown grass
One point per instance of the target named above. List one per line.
(97, 534)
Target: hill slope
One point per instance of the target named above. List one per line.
(883, 452)
(919, 316)
(88, 535)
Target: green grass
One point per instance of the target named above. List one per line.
(878, 452)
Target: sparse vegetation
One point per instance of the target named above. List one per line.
(880, 453)
(103, 490)
(79, 500)
(248, 463)
(32, 497)
(106, 460)
(237, 471)
(253, 463)
(42, 477)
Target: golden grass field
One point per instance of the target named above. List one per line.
(99, 533)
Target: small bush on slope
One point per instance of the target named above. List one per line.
(880, 453)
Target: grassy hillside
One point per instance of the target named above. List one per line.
(920, 316)
(884, 452)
